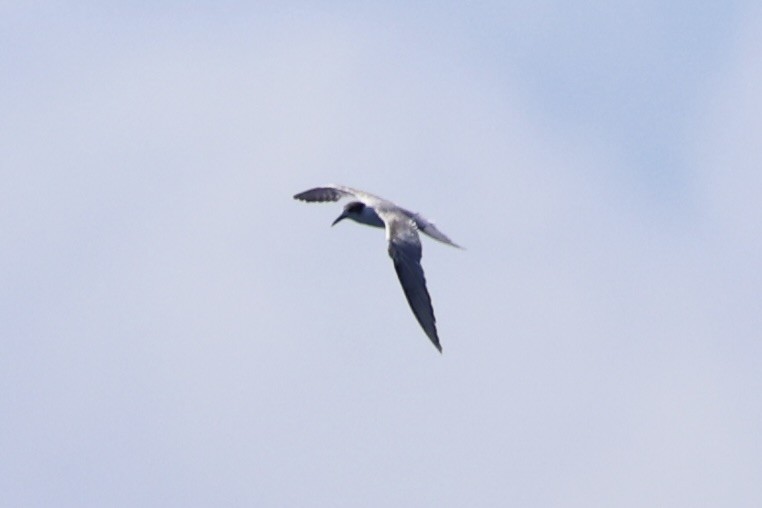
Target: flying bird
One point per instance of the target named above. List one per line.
(402, 228)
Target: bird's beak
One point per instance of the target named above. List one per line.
(339, 218)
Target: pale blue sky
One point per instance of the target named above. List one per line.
(177, 331)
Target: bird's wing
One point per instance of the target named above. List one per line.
(322, 194)
(429, 228)
(405, 251)
(336, 192)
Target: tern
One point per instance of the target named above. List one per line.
(402, 228)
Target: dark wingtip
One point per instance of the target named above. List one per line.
(435, 340)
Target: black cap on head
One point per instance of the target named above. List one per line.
(354, 207)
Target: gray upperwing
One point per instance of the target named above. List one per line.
(322, 194)
(333, 192)
(405, 251)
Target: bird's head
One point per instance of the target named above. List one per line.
(351, 210)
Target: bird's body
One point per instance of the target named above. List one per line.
(402, 228)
